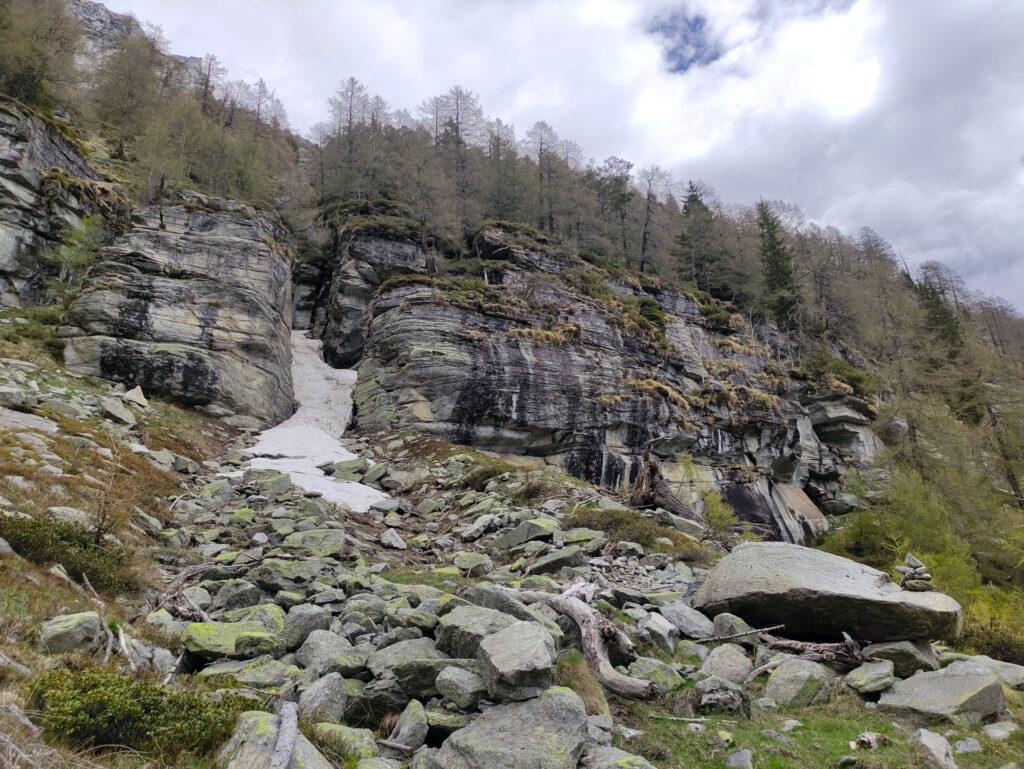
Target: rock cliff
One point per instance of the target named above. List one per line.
(527, 349)
(45, 187)
(192, 303)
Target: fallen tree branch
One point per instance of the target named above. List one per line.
(110, 640)
(6, 663)
(595, 631)
(287, 734)
(396, 746)
(125, 651)
(752, 631)
(93, 594)
(174, 669)
(845, 653)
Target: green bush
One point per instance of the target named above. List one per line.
(97, 707)
(994, 625)
(45, 541)
(820, 366)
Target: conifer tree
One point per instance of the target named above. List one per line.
(777, 262)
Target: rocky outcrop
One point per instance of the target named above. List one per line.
(819, 595)
(194, 304)
(532, 351)
(45, 187)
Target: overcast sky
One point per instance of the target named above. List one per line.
(906, 116)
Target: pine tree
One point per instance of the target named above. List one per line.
(777, 262)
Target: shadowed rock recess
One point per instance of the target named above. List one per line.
(529, 350)
(194, 304)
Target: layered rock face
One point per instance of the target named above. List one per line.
(194, 303)
(36, 203)
(529, 350)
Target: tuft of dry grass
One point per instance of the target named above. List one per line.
(572, 671)
(654, 387)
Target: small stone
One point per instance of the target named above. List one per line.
(391, 538)
(871, 677)
(741, 759)
(999, 731)
(968, 745)
(116, 410)
(936, 749)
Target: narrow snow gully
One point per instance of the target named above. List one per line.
(309, 438)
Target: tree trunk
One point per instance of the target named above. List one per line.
(651, 489)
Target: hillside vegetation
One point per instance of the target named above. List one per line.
(941, 368)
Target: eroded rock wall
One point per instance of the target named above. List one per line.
(534, 352)
(34, 209)
(193, 303)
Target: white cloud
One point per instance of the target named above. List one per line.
(905, 117)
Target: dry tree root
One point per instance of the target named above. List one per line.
(595, 631)
(652, 490)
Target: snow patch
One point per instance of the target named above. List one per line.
(310, 436)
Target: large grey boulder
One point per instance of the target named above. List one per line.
(961, 692)
(548, 732)
(687, 620)
(798, 683)
(726, 661)
(302, 620)
(194, 303)
(253, 741)
(72, 632)
(412, 727)
(820, 595)
(325, 700)
(907, 657)
(716, 695)
(325, 652)
(460, 631)
(517, 663)
(414, 663)
(463, 688)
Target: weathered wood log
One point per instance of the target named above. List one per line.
(287, 734)
(845, 653)
(758, 631)
(595, 631)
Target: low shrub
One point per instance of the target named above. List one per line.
(42, 540)
(477, 478)
(631, 526)
(98, 707)
(719, 519)
(994, 625)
